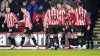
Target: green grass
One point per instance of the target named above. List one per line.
(50, 52)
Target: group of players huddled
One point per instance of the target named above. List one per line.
(60, 18)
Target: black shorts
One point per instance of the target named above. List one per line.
(11, 30)
(53, 29)
(61, 28)
(27, 30)
(69, 29)
(79, 29)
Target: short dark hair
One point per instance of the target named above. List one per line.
(53, 5)
(80, 4)
(24, 7)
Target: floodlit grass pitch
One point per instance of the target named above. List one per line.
(93, 52)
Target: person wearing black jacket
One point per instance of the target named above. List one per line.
(37, 25)
(14, 6)
(2, 18)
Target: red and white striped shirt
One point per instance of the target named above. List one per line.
(71, 17)
(53, 17)
(81, 17)
(27, 19)
(61, 15)
(10, 19)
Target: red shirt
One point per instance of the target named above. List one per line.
(81, 17)
(53, 17)
(27, 19)
(10, 19)
(42, 16)
(61, 15)
(71, 19)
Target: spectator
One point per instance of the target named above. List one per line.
(40, 2)
(38, 26)
(32, 7)
(13, 6)
(88, 7)
(20, 2)
(20, 14)
(0, 4)
(46, 5)
(54, 2)
(2, 18)
(88, 35)
(28, 1)
(24, 3)
(71, 2)
(4, 5)
(60, 1)
(41, 13)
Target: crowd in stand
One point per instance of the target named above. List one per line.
(40, 12)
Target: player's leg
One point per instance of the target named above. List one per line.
(56, 40)
(33, 39)
(83, 28)
(91, 42)
(47, 39)
(75, 38)
(50, 32)
(25, 32)
(80, 36)
(11, 38)
(63, 41)
(88, 44)
(69, 35)
(51, 44)
(23, 39)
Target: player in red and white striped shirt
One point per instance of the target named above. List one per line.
(52, 22)
(81, 17)
(81, 23)
(61, 17)
(11, 20)
(28, 30)
(70, 22)
(61, 13)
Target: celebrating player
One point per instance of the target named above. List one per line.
(61, 17)
(28, 26)
(11, 20)
(51, 22)
(81, 24)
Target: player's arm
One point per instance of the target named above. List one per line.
(5, 21)
(28, 19)
(45, 21)
(87, 21)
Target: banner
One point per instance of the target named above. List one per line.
(40, 38)
(2, 40)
